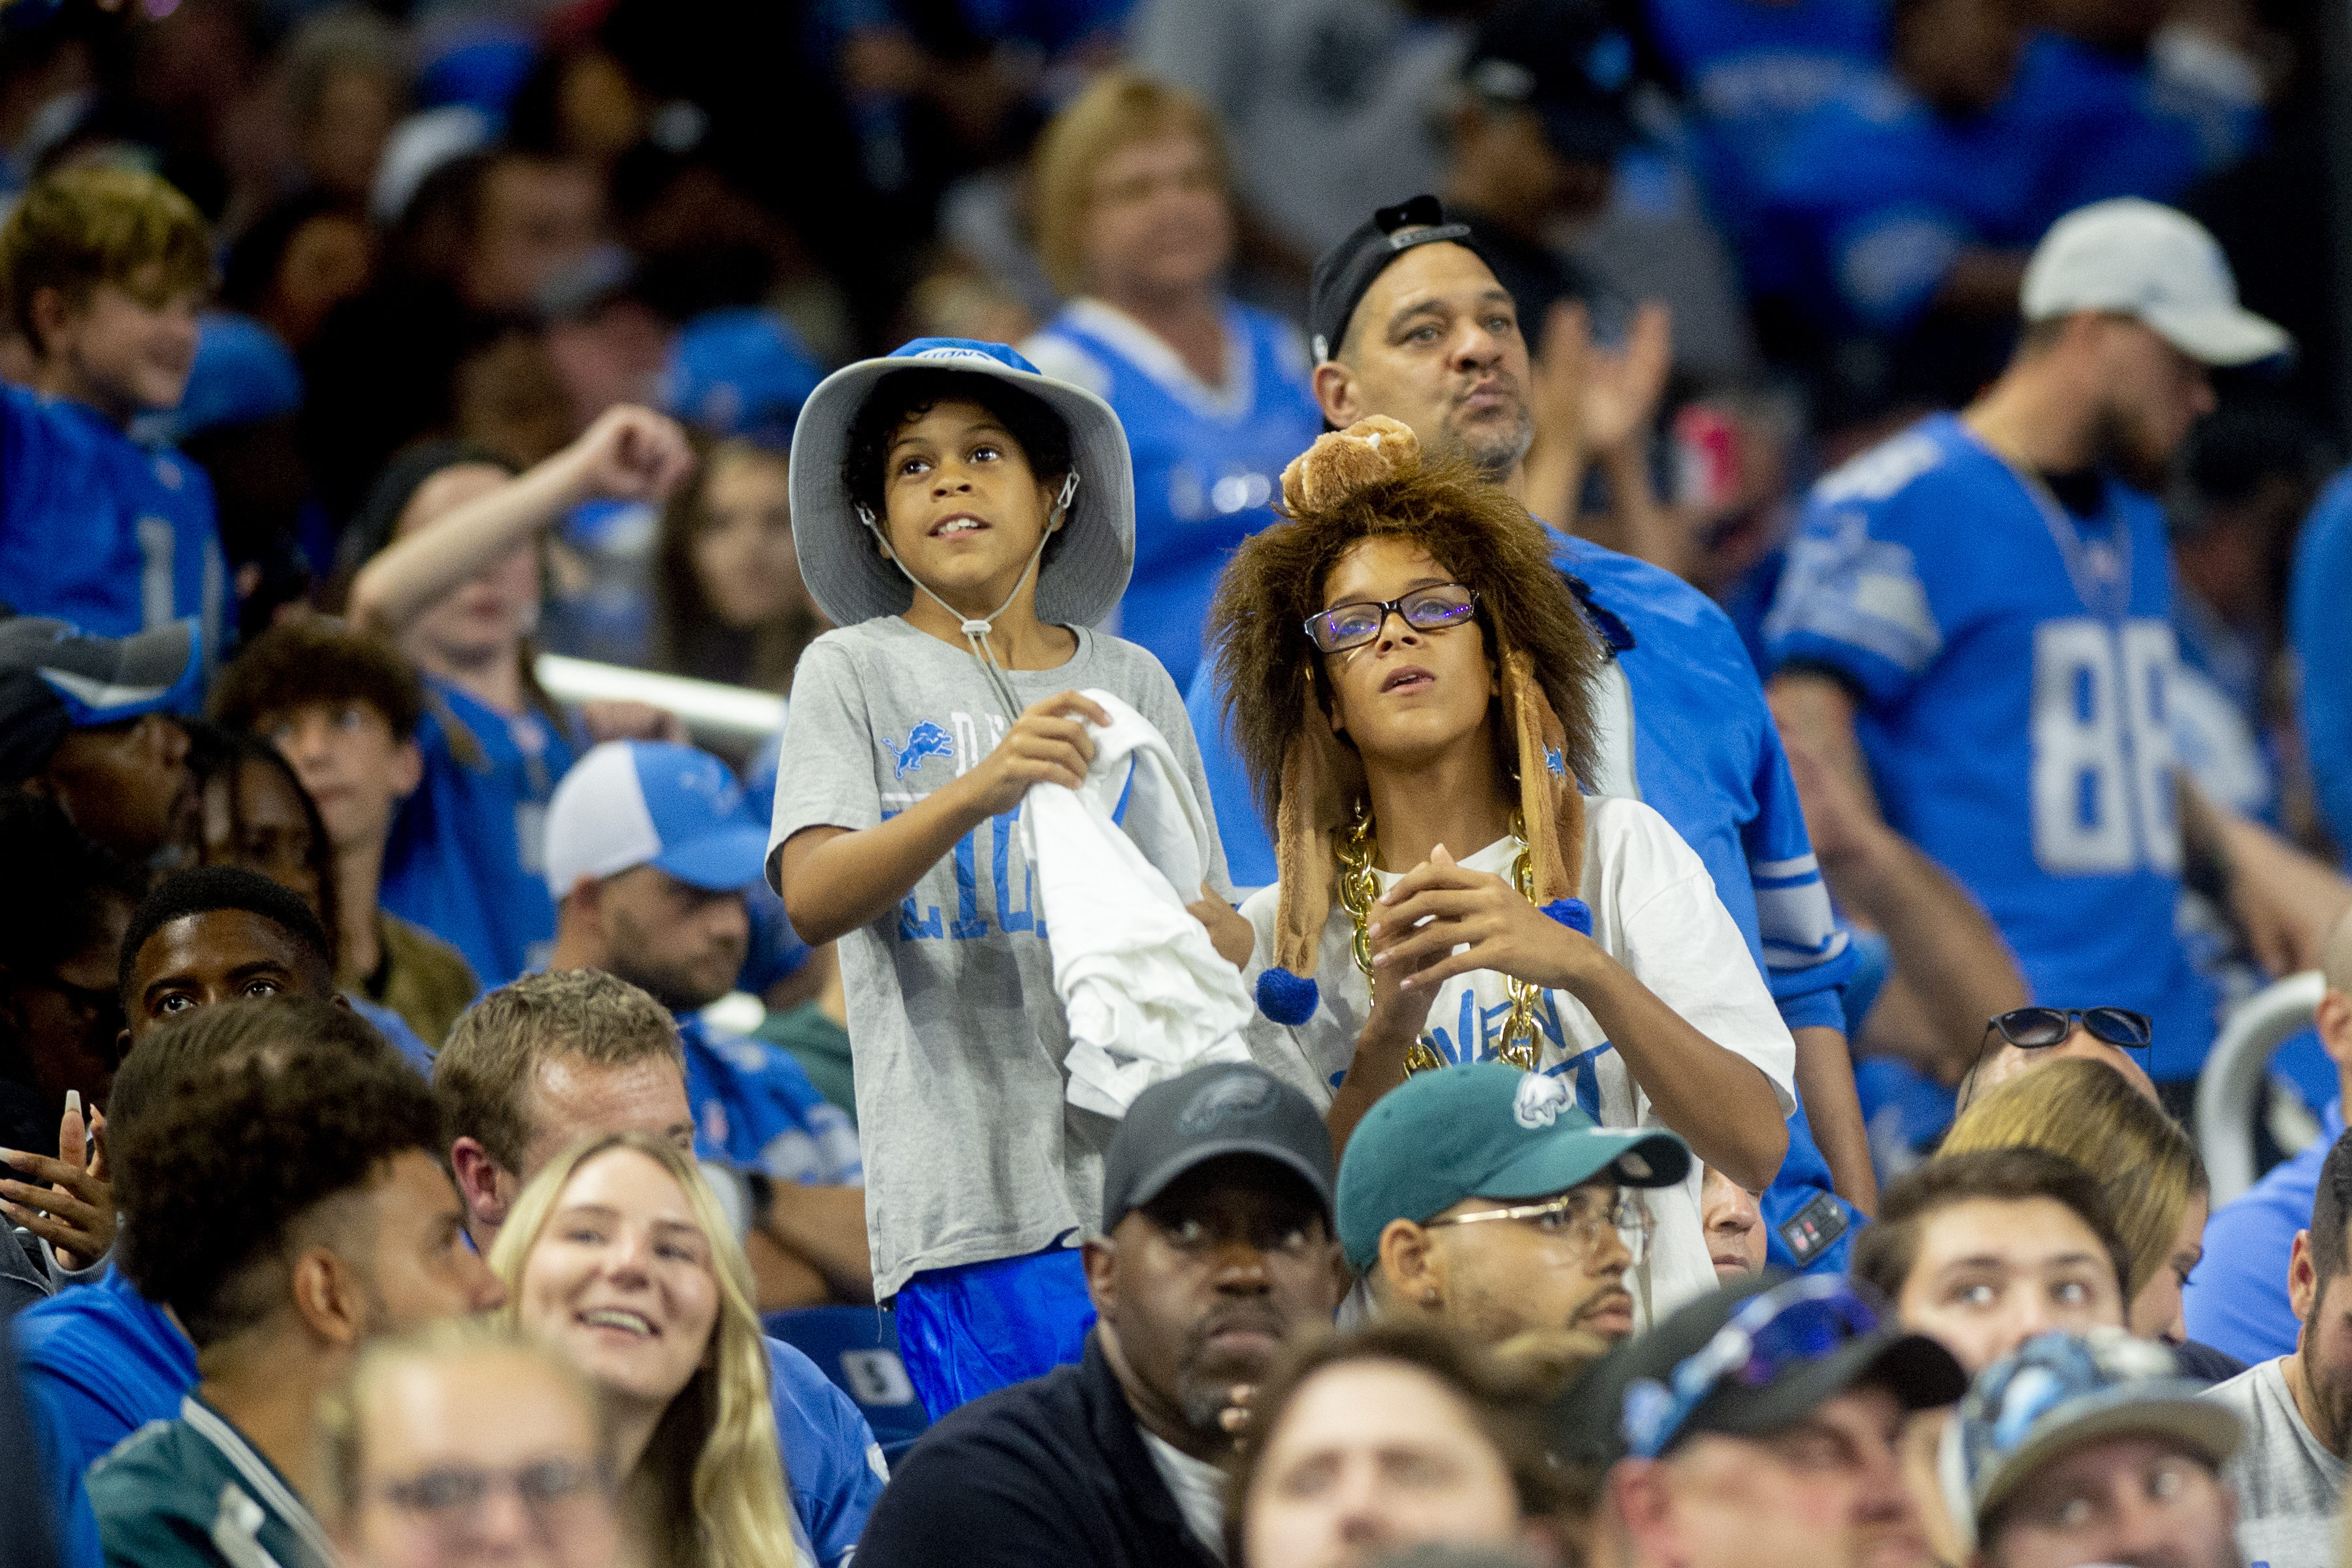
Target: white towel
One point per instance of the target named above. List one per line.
(1146, 994)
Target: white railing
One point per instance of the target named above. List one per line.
(2230, 1083)
(725, 716)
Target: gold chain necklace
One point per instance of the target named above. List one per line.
(1522, 1044)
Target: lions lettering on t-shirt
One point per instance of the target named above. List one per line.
(932, 753)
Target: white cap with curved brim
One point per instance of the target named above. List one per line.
(1082, 578)
(2158, 265)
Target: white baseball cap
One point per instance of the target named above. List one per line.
(644, 802)
(2146, 261)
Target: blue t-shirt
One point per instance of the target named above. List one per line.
(2013, 665)
(465, 858)
(97, 529)
(97, 1362)
(755, 1109)
(2321, 635)
(1876, 194)
(1708, 758)
(1751, 72)
(2112, 126)
(397, 1031)
(1208, 465)
(2236, 1300)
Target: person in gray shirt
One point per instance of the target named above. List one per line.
(2298, 1408)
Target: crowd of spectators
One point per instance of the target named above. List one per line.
(1523, 749)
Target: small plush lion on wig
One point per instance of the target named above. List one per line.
(1370, 481)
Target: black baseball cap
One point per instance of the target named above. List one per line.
(1564, 61)
(1604, 1416)
(1344, 273)
(1203, 1115)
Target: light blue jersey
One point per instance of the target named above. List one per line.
(1208, 462)
(97, 529)
(2014, 665)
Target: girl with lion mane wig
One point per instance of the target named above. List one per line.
(1409, 681)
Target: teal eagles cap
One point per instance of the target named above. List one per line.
(1483, 1130)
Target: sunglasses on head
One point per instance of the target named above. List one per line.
(1797, 1322)
(2033, 1028)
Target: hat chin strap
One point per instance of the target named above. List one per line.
(976, 628)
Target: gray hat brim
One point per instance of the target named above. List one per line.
(1082, 578)
(2170, 1407)
(2230, 335)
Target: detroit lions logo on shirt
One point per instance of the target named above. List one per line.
(925, 739)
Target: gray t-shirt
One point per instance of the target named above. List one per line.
(2288, 1485)
(954, 1026)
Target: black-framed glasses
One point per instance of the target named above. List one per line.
(1430, 609)
(2036, 1028)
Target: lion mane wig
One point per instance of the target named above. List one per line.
(1369, 481)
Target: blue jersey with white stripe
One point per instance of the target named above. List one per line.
(2013, 663)
(1208, 462)
(97, 529)
(465, 858)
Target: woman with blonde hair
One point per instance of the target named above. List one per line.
(618, 1255)
(1134, 224)
(2087, 1111)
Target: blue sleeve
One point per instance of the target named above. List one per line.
(2236, 1298)
(2322, 636)
(1853, 598)
(1807, 959)
(1249, 849)
(830, 1454)
(64, 1419)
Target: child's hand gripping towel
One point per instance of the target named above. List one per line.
(1147, 995)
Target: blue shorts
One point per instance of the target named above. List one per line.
(979, 1327)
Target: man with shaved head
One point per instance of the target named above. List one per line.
(2237, 1299)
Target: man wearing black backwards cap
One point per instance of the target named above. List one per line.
(87, 721)
(1482, 1198)
(1760, 1426)
(1408, 319)
(1216, 1248)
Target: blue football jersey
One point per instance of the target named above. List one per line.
(2115, 127)
(1208, 465)
(466, 857)
(755, 1109)
(2321, 635)
(1877, 194)
(97, 529)
(1751, 73)
(2014, 666)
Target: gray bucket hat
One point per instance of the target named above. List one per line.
(1082, 578)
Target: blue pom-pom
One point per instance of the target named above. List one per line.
(1573, 913)
(1289, 998)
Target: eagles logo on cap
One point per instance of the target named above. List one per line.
(1235, 1094)
(1539, 1100)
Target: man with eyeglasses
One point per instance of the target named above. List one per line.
(1760, 1427)
(2092, 1448)
(1481, 1197)
(2026, 1038)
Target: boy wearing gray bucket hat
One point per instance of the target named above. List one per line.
(966, 523)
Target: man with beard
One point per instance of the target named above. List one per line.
(1482, 1198)
(1974, 632)
(650, 849)
(2297, 1409)
(1216, 1248)
(2092, 1448)
(1409, 321)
